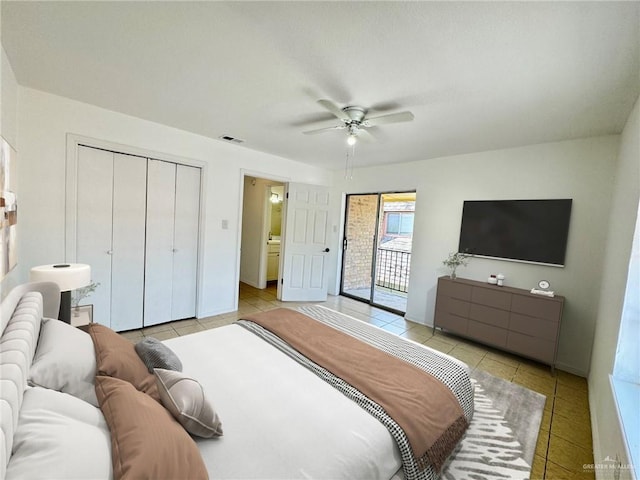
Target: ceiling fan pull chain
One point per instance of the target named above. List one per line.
(348, 169)
(346, 166)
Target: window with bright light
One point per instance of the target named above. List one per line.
(626, 371)
(399, 223)
(627, 366)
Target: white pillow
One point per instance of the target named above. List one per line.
(65, 360)
(59, 436)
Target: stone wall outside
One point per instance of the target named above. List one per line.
(357, 268)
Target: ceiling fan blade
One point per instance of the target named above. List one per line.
(365, 136)
(390, 118)
(333, 108)
(320, 130)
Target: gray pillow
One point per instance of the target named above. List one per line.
(184, 397)
(156, 354)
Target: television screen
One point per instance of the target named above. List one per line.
(523, 230)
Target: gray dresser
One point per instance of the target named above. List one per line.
(507, 318)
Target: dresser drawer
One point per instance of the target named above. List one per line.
(535, 327)
(489, 315)
(537, 307)
(453, 305)
(487, 334)
(453, 323)
(538, 348)
(451, 288)
(491, 297)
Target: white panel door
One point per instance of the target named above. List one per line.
(161, 182)
(127, 272)
(94, 225)
(305, 256)
(185, 253)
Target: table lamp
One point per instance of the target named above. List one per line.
(68, 276)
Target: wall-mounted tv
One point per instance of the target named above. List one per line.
(521, 230)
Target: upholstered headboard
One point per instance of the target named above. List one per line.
(21, 314)
(50, 300)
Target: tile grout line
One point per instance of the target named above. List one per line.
(553, 407)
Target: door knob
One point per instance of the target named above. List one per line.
(109, 252)
(326, 250)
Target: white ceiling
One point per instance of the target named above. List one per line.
(477, 76)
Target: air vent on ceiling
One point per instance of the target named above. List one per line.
(229, 138)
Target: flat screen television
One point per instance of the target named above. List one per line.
(521, 230)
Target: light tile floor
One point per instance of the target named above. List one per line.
(564, 443)
(382, 296)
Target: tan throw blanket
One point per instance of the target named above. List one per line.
(420, 404)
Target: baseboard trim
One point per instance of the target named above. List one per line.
(415, 320)
(251, 284)
(213, 313)
(570, 369)
(595, 434)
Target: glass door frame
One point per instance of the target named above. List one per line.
(374, 261)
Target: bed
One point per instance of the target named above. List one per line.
(267, 411)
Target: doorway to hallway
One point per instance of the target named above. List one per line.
(260, 247)
(285, 238)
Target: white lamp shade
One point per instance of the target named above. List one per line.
(68, 276)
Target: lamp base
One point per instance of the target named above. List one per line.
(65, 307)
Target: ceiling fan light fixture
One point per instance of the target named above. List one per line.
(354, 119)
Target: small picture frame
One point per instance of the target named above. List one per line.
(81, 315)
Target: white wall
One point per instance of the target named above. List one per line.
(607, 435)
(44, 121)
(253, 217)
(579, 169)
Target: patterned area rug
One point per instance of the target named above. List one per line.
(501, 440)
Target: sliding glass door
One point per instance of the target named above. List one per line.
(359, 246)
(377, 248)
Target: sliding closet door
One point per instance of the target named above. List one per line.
(161, 191)
(111, 233)
(94, 225)
(137, 225)
(127, 273)
(185, 243)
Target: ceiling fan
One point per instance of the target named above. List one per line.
(355, 120)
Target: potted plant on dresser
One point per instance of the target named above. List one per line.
(455, 260)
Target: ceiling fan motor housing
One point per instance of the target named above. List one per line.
(356, 114)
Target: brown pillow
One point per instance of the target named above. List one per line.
(116, 357)
(184, 397)
(146, 441)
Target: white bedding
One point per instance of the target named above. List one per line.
(293, 405)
